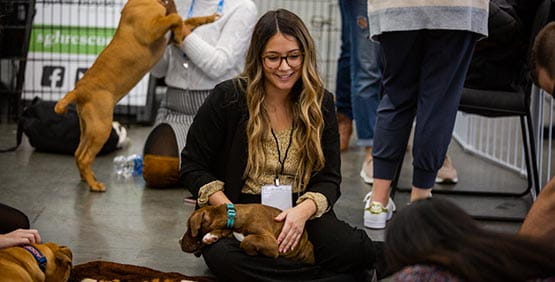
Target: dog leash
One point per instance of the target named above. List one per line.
(218, 10)
(39, 257)
(231, 213)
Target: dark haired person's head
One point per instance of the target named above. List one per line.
(436, 231)
(542, 59)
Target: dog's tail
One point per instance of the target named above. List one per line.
(61, 106)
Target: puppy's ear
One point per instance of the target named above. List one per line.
(63, 257)
(196, 220)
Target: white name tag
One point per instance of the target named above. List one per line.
(279, 196)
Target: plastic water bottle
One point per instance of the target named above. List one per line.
(127, 166)
(133, 166)
(119, 163)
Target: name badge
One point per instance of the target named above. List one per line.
(277, 196)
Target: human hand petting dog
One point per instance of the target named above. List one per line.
(293, 227)
(19, 237)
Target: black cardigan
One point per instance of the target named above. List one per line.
(216, 147)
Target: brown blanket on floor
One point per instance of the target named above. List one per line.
(111, 271)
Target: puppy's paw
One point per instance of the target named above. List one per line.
(97, 187)
(210, 238)
(178, 34)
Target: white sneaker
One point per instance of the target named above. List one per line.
(123, 140)
(375, 214)
(367, 171)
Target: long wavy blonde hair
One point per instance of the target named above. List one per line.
(306, 97)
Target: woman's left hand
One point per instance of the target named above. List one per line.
(293, 228)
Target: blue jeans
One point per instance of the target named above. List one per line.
(359, 71)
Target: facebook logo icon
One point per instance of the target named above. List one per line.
(80, 73)
(52, 76)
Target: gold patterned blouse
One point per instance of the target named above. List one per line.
(253, 185)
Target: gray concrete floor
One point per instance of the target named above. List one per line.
(133, 224)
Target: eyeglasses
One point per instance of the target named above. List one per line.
(273, 60)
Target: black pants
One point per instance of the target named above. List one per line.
(423, 77)
(12, 219)
(342, 252)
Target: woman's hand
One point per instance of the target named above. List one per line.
(19, 237)
(293, 228)
(218, 198)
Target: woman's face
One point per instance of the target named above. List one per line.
(282, 59)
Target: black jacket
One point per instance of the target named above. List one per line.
(216, 147)
(498, 60)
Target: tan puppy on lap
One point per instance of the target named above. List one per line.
(255, 223)
(18, 264)
(137, 45)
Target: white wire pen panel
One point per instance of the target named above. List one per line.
(323, 20)
(495, 139)
(544, 137)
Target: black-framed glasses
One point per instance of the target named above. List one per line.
(273, 60)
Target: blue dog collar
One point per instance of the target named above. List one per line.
(230, 216)
(39, 257)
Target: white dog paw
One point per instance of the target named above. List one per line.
(239, 236)
(209, 238)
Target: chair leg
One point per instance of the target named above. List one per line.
(534, 173)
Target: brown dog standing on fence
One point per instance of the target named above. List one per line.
(137, 45)
(20, 264)
(254, 221)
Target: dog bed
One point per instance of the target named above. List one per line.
(111, 271)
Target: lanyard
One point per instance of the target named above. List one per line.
(189, 15)
(218, 10)
(282, 163)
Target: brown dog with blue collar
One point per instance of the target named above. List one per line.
(139, 42)
(19, 264)
(255, 222)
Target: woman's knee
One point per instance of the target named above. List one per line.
(160, 171)
(339, 246)
(223, 257)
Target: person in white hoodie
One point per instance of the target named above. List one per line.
(208, 55)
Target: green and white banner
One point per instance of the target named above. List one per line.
(66, 38)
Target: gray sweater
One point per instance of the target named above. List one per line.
(406, 15)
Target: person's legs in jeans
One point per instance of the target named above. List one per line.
(366, 82)
(343, 82)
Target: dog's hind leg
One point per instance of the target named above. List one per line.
(98, 124)
(260, 244)
(82, 141)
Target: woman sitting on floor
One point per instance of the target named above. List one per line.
(275, 124)
(434, 240)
